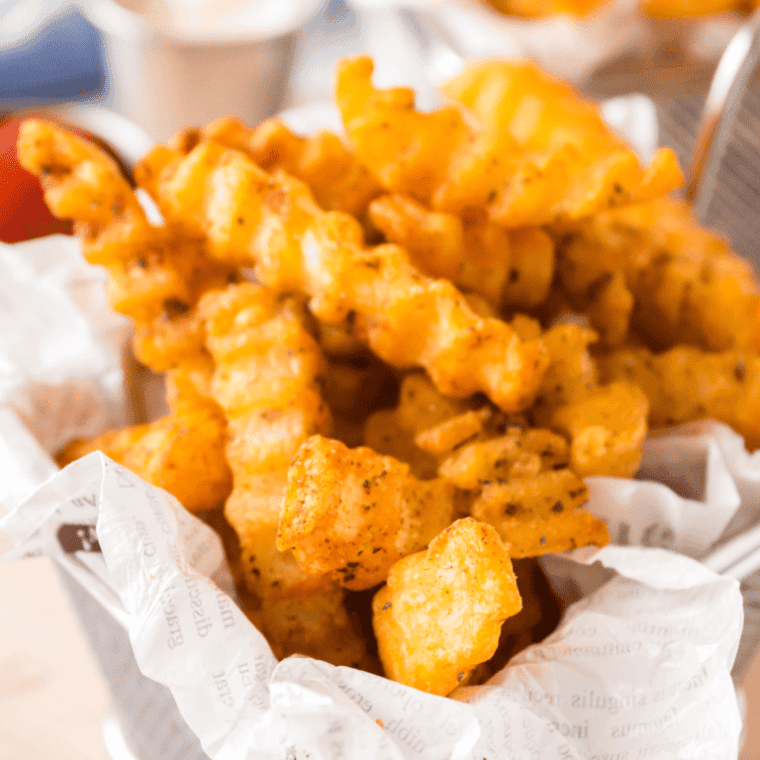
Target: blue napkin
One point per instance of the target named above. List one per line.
(63, 60)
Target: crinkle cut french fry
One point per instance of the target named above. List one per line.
(338, 180)
(420, 407)
(473, 253)
(655, 265)
(542, 514)
(318, 626)
(606, 429)
(183, 452)
(155, 275)
(454, 433)
(546, 116)
(350, 514)
(685, 384)
(445, 163)
(606, 424)
(517, 454)
(266, 380)
(441, 612)
(509, 268)
(572, 371)
(272, 221)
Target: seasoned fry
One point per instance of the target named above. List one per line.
(317, 625)
(572, 371)
(518, 454)
(541, 514)
(473, 253)
(351, 514)
(420, 407)
(183, 452)
(265, 379)
(441, 613)
(685, 384)
(272, 221)
(684, 283)
(593, 276)
(454, 433)
(509, 268)
(607, 430)
(441, 161)
(335, 176)
(155, 274)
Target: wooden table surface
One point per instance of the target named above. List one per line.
(52, 696)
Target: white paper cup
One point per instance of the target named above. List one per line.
(170, 66)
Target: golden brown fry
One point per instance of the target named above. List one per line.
(544, 8)
(317, 625)
(509, 268)
(334, 174)
(441, 613)
(572, 371)
(350, 514)
(443, 162)
(548, 119)
(540, 514)
(518, 454)
(266, 380)
(183, 452)
(272, 221)
(454, 433)
(420, 407)
(695, 8)
(606, 425)
(155, 275)
(473, 253)
(685, 384)
(656, 266)
(607, 430)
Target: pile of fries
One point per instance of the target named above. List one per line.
(392, 361)
(664, 9)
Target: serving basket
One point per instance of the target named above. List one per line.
(145, 721)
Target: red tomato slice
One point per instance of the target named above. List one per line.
(23, 213)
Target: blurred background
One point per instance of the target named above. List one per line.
(168, 64)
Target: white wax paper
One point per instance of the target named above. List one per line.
(641, 665)
(60, 343)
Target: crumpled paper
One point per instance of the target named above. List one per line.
(60, 343)
(687, 493)
(641, 665)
